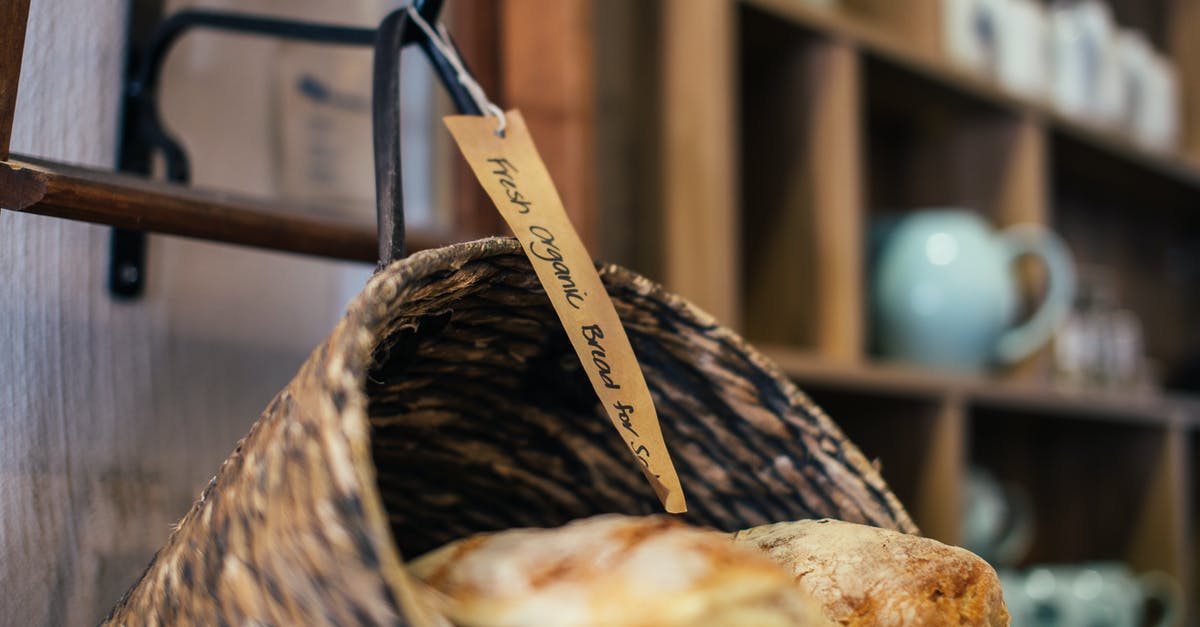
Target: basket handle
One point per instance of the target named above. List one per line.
(397, 30)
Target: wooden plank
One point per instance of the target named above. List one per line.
(802, 195)
(782, 77)
(1183, 41)
(1023, 194)
(128, 202)
(14, 15)
(475, 26)
(626, 135)
(1160, 535)
(836, 157)
(1016, 396)
(936, 506)
(548, 73)
(534, 55)
(700, 221)
(917, 22)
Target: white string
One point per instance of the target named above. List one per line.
(441, 40)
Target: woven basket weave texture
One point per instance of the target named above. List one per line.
(449, 401)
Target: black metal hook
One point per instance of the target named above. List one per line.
(396, 31)
(145, 132)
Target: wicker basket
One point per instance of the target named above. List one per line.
(449, 401)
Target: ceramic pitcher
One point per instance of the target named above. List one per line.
(944, 290)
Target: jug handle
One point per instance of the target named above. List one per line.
(1037, 241)
(1018, 533)
(1166, 590)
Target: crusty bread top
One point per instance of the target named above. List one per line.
(869, 576)
(613, 571)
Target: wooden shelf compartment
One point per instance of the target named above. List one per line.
(1118, 467)
(917, 445)
(927, 148)
(699, 181)
(833, 141)
(845, 114)
(1145, 243)
(1100, 490)
(801, 224)
(39, 187)
(880, 41)
(933, 137)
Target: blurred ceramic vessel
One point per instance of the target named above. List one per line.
(1023, 48)
(1096, 594)
(944, 290)
(997, 519)
(1086, 68)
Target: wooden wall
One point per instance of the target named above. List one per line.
(114, 415)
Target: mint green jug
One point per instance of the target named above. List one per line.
(944, 290)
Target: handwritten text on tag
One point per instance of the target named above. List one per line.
(514, 176)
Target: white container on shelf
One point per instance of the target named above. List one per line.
(1086, 71)
(971, 32)
(1158, 122)
(1150, 92)
(1098, 17)
(1068, 83)
(1023, 47)
(1136, 56)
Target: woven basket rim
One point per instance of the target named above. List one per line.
(450, 258)
(329, 402)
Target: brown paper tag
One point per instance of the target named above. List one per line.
(512, 173)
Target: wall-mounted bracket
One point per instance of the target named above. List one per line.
(143, 134)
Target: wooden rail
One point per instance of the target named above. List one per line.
(50, 189)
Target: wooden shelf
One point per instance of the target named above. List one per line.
(1016, 395)
(847, 117)
(49, 189)
(887, 49)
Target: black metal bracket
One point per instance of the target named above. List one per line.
(143, 133)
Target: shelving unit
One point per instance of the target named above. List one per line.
(820, 120)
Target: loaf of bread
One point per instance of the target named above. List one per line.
(865, 576)
(612, 571)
